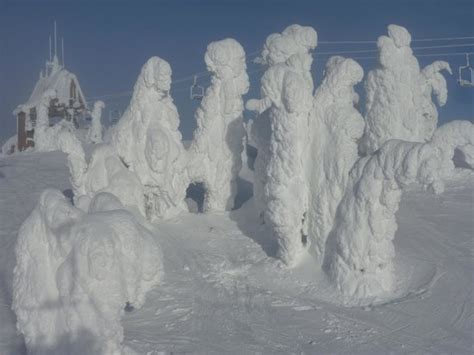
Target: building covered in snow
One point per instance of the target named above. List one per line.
(68, 103)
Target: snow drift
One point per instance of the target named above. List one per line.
(147, 139)
(399, 95)
(359, 252)
(281, 189)
(77, 271)
(215, 152)
(335, 126)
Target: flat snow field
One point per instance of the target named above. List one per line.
(222, 292)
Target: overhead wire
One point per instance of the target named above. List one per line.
(251, 56)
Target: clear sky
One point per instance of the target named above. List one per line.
(107, 42)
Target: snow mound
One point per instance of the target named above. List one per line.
(215, 152)
(336, 127)
(359, 251)
(77, 271)
(399, 95)
(147, 139)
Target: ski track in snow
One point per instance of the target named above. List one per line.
(222, 293)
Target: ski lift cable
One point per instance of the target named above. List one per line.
(204, 74)
(413, 40)
(413, 48)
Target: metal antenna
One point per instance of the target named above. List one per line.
(62, 51)
(50, 49)
(55, 40)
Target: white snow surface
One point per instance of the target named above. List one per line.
(147, 139)
(360, 250)
(399, 94)
(222, 293)
(281, 187)
(75, 273)
(218, 142)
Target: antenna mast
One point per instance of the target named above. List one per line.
(62, 50)
(50, 49)
(55, 40)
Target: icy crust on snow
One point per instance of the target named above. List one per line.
(147, 139)
(94, 133)
(77, 271)
(215, 152)
(399, 95)
(336, 127)
(281, 189)
(359, 252)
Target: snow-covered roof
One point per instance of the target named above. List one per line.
(58, 80)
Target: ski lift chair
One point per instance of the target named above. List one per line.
(196, 92)
(464, 82)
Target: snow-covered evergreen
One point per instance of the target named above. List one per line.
(215, 152)
(147, 139)
(287, 89)
(360, 252)
(335, 126)
(76, 271)
(398, 94)
(95, 129)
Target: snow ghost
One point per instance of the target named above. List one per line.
(281, 133)
(107, 173)
(149, 143)
(76, 271)
(219, 138)
(95, 129)
(335, 126)
(359, 252)
(399, 96)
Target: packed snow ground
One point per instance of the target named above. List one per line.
(221, 292)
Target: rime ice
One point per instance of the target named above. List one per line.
(215, 152)
(148, 141)
(281, 188)
(398, 94)
(76, 271)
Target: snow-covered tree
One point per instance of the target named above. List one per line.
(218, 140)
(147, 139)
(76, 271)
(399, 95)
(335, 126)
(359, 253)
(281, 188)
(95, 130)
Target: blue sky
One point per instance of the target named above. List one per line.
(107, 42)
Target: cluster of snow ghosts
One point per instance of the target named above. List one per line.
(399, 96)
(215, 152)
(281, 188)
(77, 271)
(148, 141)
(95, 130)
(360, 251)
(335, 126)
